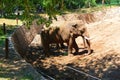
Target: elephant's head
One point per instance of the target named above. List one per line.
(79, 29)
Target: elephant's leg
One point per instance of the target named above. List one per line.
(57, 45)
(88, 46)
(46, 49)
(60, 45)
(84, 42)
(45, 44)
(75, 46)
(70, 44)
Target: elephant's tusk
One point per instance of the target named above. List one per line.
(87, 38)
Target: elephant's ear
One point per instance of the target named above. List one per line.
(75, 25)
(74, 29)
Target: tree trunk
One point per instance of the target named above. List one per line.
(103, 1)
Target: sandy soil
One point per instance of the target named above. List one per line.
(103, 63)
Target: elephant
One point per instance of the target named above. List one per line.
(65, 32)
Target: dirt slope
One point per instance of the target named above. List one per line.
(104, 62)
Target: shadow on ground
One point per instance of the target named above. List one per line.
(105, 68)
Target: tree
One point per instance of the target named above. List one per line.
(103, 1)
(32, 7)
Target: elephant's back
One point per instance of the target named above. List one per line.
(66, 23)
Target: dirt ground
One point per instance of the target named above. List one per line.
(103, 63)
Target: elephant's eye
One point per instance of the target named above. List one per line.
(82, 31)
(75, 25)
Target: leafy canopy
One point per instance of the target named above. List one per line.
(31, 8)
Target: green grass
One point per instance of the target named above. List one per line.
(27, 77)
(99, 7)
(10, 21)
(5, 79)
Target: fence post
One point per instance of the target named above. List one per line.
(4, 28)
(6, 47)
(6, 41)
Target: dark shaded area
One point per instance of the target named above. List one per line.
(61, 72)
(35, 55)
(84, 51)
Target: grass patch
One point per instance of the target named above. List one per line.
(5, 79)
(9, 30)
(10, 21)
(27, 77)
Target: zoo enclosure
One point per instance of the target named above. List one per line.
(4, 40)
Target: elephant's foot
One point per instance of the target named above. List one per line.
(89, 52)
(85, 47)
(70, 55)
(47, 53)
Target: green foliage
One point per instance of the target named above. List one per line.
(75, 4)
(90, 3)
(53, 7)
(31, 8)
(44, 21)
(93, 2)
(117, 2)
(1, 32)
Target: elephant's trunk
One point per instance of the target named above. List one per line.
(87, 41)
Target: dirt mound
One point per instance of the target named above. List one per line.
(87, 18)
